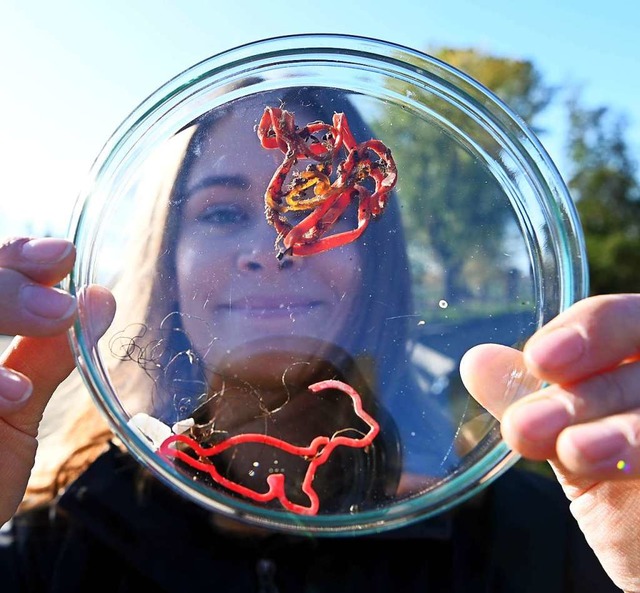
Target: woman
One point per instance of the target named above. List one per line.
(206, 341)
(220, 328)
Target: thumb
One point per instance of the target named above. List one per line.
(496, 376)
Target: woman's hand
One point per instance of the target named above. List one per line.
(39, 359)
(586, 422)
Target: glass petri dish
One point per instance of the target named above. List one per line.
(303, 236)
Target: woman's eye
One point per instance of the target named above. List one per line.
(223, 215)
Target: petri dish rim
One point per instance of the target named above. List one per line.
(386, 59)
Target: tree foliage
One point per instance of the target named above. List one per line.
(469, 211)
(605, 185)
(603, 179)
(517, 82)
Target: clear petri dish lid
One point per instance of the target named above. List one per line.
(303, 236)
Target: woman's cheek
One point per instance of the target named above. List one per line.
(343, 269)
(193, 266)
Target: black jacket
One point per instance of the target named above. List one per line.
(105, 534)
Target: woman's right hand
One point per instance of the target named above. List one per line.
(39, 358)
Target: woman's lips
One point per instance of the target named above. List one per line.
(265, 308)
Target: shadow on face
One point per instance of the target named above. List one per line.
(281, 406)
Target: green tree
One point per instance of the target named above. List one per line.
(438, 176)
(517, 82)
(605, 185)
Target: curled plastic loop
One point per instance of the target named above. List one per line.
(367, 173)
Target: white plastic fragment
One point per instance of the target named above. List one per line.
(183, 425)
(154, 430)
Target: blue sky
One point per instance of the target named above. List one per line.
(72, 70)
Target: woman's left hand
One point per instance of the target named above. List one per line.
(586, 422)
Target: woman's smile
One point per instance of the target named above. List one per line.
(268, 307)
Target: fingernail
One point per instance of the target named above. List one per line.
(599, 443)
(541, 419)
(14, 387)
(555, 349)
(46, 251)
(47, 302)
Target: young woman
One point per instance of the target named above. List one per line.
(219, 329)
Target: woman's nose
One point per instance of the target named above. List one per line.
(266, 260)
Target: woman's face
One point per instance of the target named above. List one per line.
(236, 296)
